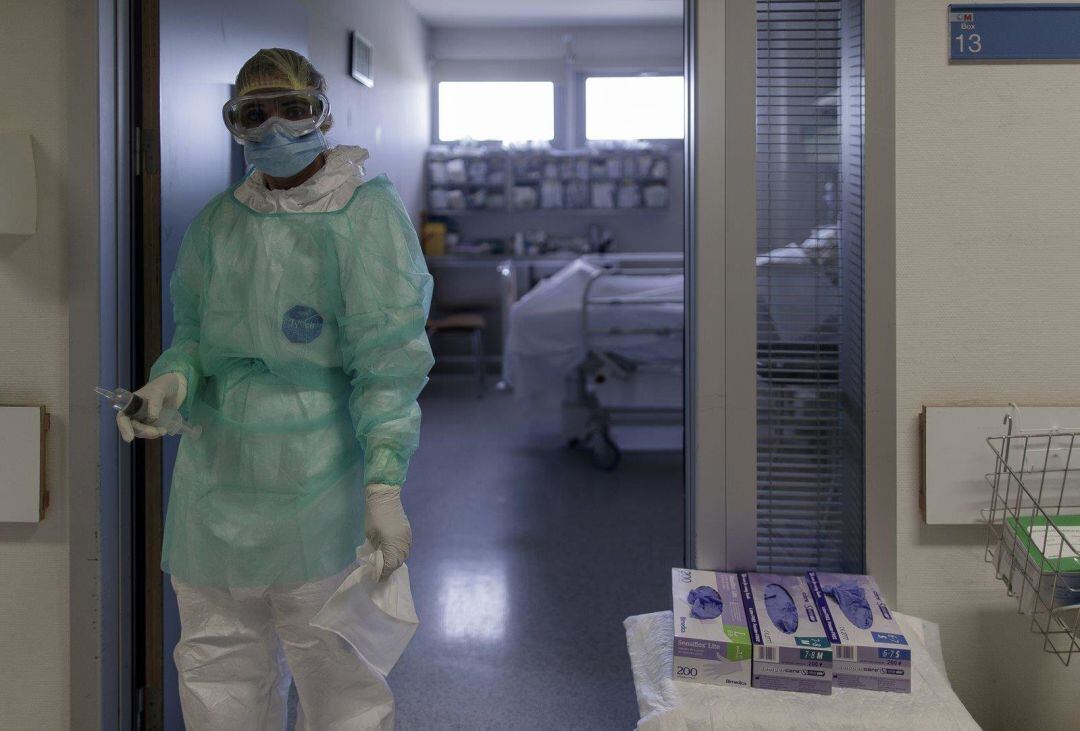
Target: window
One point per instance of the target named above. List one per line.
(634, 108)
(508, 111)
(810, 491)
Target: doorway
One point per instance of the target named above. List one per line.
(527, 539)
(515, 531)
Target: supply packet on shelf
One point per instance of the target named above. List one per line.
(869, 649)
(712, 642)
(791, 647)
(1037, 562)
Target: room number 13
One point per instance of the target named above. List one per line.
(971, 43)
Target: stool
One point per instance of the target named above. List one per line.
(465, 323)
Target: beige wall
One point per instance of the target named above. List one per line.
(34, 688)
(988, 266)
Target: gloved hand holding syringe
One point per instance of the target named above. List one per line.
(139, 413)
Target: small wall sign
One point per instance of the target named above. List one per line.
(1014, 32)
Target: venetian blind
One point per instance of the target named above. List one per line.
(810, 285)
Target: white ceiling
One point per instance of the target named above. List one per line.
(547, 12)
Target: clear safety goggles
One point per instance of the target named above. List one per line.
(297, 113)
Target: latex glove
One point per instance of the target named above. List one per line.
(705, 603)
(164, 392)
(781, 608)
(387, 527)
(852, 600)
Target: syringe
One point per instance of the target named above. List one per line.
(134, 407)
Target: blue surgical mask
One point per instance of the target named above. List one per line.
(281, 156)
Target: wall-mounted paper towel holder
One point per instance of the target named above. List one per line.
(23, 494)
(18, 184)
(956, 458)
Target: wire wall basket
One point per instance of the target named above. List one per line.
(1033, 531)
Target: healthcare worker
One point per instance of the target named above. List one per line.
(300, 297)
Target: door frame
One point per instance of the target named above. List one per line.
(98, 489)
(720, 382)
(879, 236)
(145, 297)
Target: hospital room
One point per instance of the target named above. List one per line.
(547, 364)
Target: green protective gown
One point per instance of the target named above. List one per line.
(302, 339)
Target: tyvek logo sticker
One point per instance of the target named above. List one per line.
(302, 324)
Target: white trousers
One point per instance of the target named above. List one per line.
(239, 649)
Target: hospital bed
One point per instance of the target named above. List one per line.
(606, 332)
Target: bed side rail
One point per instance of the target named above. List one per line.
(591, 302)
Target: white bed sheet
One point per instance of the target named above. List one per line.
(546, 341)
(669, 705)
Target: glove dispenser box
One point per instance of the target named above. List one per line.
(791, 647)
(869, 650)
(712, 642)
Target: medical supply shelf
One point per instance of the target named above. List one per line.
(1033, 529)
(467, 179)
(595, 181)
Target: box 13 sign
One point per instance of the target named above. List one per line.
(1014, 32)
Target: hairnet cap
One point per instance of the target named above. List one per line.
(278, 68)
